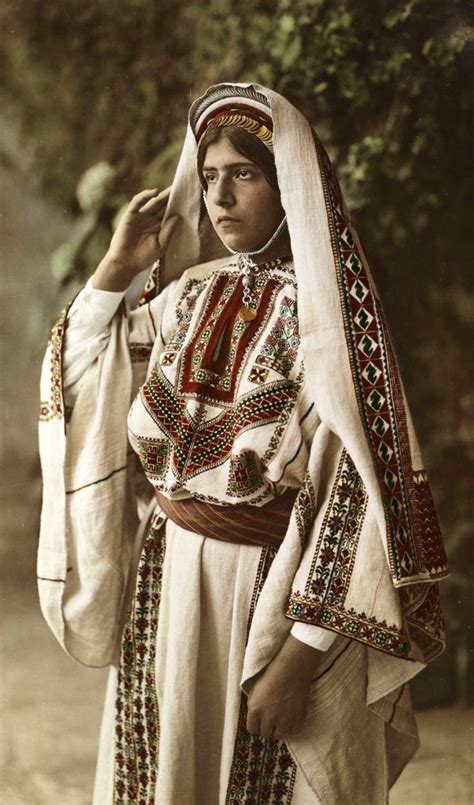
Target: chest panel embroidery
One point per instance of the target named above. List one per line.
(213, 360)
(198, 448)
(184, 314)
(280, 348)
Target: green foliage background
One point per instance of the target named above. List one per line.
(385, 82)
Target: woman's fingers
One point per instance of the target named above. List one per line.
(141, 198)
(276, 725)
(263, 728)
(258, 723)
(166, 231)
(156, 203)
(253, 723)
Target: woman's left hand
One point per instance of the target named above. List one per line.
(278, 700)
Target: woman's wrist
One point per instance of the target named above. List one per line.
(300, 658)
(112, 275)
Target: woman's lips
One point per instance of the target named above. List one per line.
(227, 222)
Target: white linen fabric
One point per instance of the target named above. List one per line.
(198, 692)
(362, 550)
(87, 335)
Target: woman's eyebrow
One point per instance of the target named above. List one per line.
(229, 166)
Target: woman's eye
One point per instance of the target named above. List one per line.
(244, 174)
(210, 177)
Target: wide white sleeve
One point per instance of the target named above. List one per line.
(314, 636)
(87, 334)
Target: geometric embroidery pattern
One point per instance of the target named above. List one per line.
(152, 285)
(213, 360)
(187, 301)
(323, 600)
(244, 477)
(427, 530)
(46, 413)
(262, 770)
(380, 399)
(258, 374)
(424, 618)
(184, 314)
(349, 623)
(280, 427)
(154, 456)
(175, 343)
(333, 561)
(136, 706)
(55, 406)
(280, 349)
(196, 449)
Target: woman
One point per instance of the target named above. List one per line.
(285, 591)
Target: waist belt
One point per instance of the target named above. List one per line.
(242, 524)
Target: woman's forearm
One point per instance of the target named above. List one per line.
(112, 275)
(299, 657)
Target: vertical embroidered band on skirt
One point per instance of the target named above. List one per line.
(252, 769)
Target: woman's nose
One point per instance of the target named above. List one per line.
(224, 196)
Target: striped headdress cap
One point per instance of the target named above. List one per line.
(231, 105)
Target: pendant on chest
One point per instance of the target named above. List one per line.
(247, 313)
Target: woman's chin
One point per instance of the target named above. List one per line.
(238, 244)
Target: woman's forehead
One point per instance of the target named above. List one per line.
(222, 154)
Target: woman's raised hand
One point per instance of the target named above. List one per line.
(137, 242)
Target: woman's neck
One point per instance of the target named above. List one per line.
(280, 248)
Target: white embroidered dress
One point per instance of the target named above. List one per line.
(363, 551)
(224, 416)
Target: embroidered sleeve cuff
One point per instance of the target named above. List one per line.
(314, 636)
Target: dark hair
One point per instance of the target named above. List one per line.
(245, 143)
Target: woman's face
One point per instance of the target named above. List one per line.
(245, 210)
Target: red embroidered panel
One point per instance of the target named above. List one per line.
(212, 361)
(424, 618)
(427, 531)
(380, 397)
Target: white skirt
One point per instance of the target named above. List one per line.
(173, 730)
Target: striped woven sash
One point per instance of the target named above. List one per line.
(242, 524)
